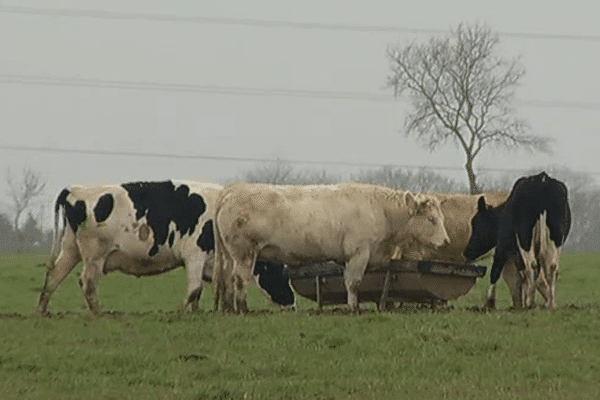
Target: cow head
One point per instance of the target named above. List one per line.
(274, 281)
(426, 223)
(484, 231)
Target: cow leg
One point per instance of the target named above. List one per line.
(550, 303)
(546, 282)
(90, 278)
(528, 275)
(195, 266)
(222, 275)
(542, 286)
(57, 270)
(513, 280)
(223, 282)
(243, 266)
(95, 252)
(501, 258)
(218, 278)
(528, 287)
(353, 274)
(241, 294)
(490, 303)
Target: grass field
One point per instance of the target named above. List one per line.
(141, 349)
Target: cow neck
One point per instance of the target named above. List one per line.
(397, 213)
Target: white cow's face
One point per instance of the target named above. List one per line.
(426, 223)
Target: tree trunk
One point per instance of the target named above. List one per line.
(20, 240)
(471, 175)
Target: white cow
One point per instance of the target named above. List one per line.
(355, 224)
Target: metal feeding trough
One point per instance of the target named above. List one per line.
(432, 282)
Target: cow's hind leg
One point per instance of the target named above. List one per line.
(90, 278)
(546, 282)
(57, 270)
(528, 284)
(223, 282)
(552, 277)
(95, 252)
(242, 275)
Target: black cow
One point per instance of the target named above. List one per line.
(141, 228)
(537, 200)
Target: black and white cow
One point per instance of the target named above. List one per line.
(531, 225)
(141, 228)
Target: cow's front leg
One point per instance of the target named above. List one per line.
(513, 280)
(196, 266)
(490, 303)
(353, 274)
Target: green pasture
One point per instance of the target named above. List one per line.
(142, 349)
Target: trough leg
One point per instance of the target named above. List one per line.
(318, 289)
(385, 291)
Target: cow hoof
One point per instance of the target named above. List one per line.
(490, 305)
(243, 310)
(97, 313)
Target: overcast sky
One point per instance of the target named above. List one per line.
(139, 50)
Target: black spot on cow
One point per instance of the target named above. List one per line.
(163, 202)
(104, 207)
(75, 214)
(499, 226)
(274, 279)
(171, 239)
(206, 240)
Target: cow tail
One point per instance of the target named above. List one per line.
(60, 226)
(218, 273)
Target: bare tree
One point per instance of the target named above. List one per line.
(421, 180)
(278, 171)
(22, 191)
(462, 92)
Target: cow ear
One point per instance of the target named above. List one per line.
(410, 201)
(481, 204)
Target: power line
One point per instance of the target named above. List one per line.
(177, 87)
(57, 150)
(272, 24)
(249, 91)
(199, 157)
